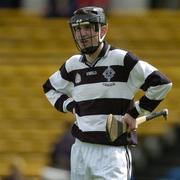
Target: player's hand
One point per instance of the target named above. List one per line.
(74, 111)
(130, 122)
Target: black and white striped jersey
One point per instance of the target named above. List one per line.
(107, 86)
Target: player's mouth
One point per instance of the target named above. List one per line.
(85, 42)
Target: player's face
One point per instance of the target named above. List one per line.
(86, 35)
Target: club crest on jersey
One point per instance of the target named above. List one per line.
(78, 78)
(109, 73)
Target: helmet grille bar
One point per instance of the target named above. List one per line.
(80, 24)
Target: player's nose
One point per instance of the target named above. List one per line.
(84, 31)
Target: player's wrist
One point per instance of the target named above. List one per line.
(141, 110)
(133, 112)
(71, 106)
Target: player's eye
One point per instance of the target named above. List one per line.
(84, 27)
(77, 28)
(87, 26)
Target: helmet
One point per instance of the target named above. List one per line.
(88, 16)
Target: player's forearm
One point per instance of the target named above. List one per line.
(151, 99)
(59, 100)
(154, 96)
(155, 85)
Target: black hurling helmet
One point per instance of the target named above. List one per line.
(88, 16)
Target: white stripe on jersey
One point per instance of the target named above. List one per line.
(74, 63)
(116, 58)
(98, 90)
(57, 81)
(136, 73)
(155, 93)
(94, 122)
(60, 84)
(53, 96)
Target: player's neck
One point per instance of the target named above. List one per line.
(92, 57)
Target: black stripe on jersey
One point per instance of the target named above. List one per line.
(121, 72)
(100, 137)
(130, 61)
(98, 76)
(47, 86)
(59, 103)
(64, 74)
(154, 79)
(148, 104)
(103, 106)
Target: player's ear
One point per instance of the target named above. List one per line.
(104, 30)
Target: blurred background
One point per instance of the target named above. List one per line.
(35, 40)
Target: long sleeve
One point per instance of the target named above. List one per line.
(149, 79)
(58, 90)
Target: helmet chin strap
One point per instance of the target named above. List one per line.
(89, 50)
(101, 39)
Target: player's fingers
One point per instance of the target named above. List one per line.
(74, 111)
(130, 128)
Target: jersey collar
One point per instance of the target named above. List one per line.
(103, 53)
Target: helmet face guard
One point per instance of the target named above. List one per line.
(86, 28)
